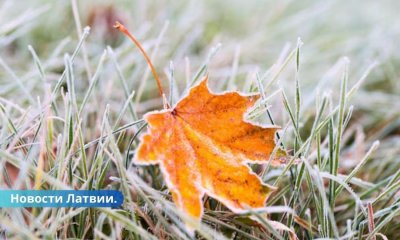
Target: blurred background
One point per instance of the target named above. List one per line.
(254, 35)
(233, 39)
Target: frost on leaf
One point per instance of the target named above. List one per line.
(203, 146)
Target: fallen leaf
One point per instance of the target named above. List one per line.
(203, 146)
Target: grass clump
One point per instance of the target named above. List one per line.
(71, 105)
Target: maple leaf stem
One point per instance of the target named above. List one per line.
(125, 31)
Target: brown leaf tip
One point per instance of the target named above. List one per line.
(119, 26)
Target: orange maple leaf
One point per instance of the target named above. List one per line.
(202, 146)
